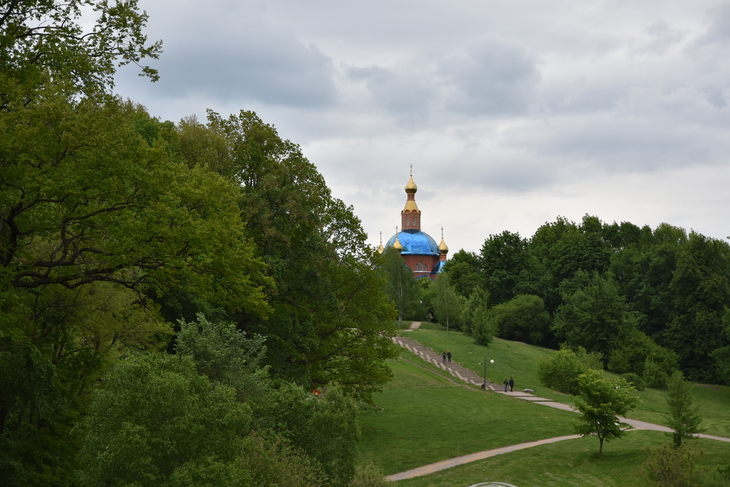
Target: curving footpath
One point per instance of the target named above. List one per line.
(470, 377)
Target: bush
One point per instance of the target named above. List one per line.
(654, 375)
(633, 353)
(635, 380)
(560, 371)
(523, 319)
(673, 467)
(368, 476)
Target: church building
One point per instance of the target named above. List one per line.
(420, 252)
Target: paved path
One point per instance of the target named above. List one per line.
(454, 368)
(460, 372)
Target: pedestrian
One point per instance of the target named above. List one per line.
(506, 385)
(448, 356)
(443, 355)
(511, 384)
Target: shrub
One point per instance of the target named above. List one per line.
(560, 371)
(635, 380)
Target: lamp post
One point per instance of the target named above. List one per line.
(484, 385)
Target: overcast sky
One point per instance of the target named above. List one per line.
(512, 113)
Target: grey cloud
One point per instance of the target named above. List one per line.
(718, 30)
(402, 93)
(274, 70)
(489, 78)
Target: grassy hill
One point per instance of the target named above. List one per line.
(423, 417)
(519, 360)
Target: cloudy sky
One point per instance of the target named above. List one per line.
(511, 113)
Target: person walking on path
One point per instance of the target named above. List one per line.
(511, 384)
(443, 355)
(448, 356)
(506, 385)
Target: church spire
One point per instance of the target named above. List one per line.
(411, 215)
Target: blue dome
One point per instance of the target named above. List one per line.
(415, 243)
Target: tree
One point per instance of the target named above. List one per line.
(157, 420)
(330, 319)
(600, 401)
(477, 304)
(402, 288)
(49, 39)
(447, 304)
(324, 426)
(94, 218)
(503, 258)
(523, 318)
(683, 418)
(701, 290)
(464, 272)
(560, 371)
(637, 350)
(594, 316)
(224, 354)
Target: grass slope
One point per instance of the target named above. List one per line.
(422, 418)
(519, 360)
(571, 463)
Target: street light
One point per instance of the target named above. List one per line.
(484, 386)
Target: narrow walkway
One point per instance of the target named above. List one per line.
(453, 462)
(429, 355)
(460, 372)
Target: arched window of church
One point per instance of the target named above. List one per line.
(408, 222)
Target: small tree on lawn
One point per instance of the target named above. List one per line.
(683, 418)
(600, 401)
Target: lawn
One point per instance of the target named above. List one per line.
(519, 360)
(572, 463)
(422, 418)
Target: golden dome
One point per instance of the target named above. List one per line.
(381, 249)
(411, 187)
(396, 245)
(443, 248)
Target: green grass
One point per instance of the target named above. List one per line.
(571, 463)
(421, 419)
(519, 360)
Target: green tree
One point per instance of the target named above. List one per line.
(324, 426)
(447, 304)
(523, 318)
(701, 290)
(722, 355)
(674, 467)
(330, 320)
(46, 38)
(595, 316)
(224, 354)
(464, 272)
(478, 303)
(92, 217)
(503, 259)
(402, 288)
(633, 352)
(157, 421)
(601, 401)
(560, 371)
(683, 417)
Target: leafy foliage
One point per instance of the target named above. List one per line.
(683, 418)
(674, 467)
(600, 401)
(401, 287)
(156, 421)
(561, 371)
(523, 318)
